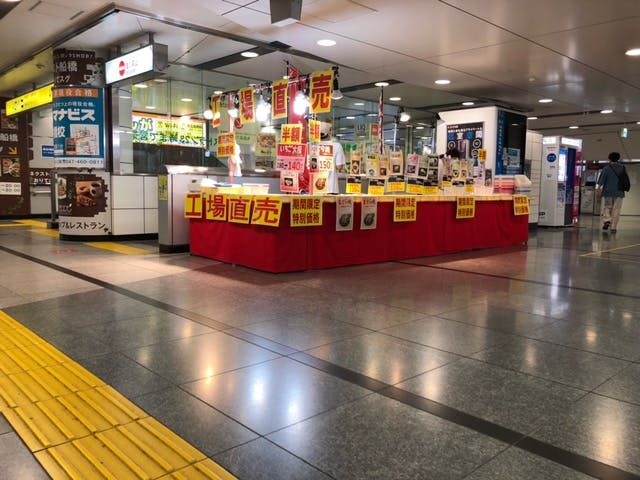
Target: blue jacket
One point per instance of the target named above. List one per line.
(609, 181)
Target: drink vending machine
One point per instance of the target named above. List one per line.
(560, 182)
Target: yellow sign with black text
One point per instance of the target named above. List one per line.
(306, 211)
(36, 98)
(266, 211)
(465, 207)
(520, 205)
(405, 209)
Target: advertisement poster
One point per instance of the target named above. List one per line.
(165, 130)
(413, 162)
(344, 213)
(291, 157)
(383, 166)
(405, 209)
(397, 163)
(78, 127)
(82, 203)
(266, 145)
(319, 183)
(376, 186)
(466, 138)
(356, 163)
(14, 171)
(306, 211)
(369, 217)
(289, 181)
(354, 185)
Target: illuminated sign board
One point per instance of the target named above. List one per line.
(164, 130)
(146, 59)
(37, 98)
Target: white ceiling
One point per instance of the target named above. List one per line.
(505, 52)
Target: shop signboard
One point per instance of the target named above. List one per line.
(320, 87)
(306, 211)
(28, 101)
(78, 127)
(369, 217)
(47, 151)
(73, 68)
(405, 209)
(344, 213)
(166, 130)
(465, 207)
(266, 211)
(84, 203)
(239, 208)
(151, 58)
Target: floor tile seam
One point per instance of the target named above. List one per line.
(462, 322)
(524, 280)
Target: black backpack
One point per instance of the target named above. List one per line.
(623, 179)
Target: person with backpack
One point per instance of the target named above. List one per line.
(612, 184)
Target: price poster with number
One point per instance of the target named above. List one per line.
(395, 184)
(415, 185)
(465, 207)
(321, 157)
(520, 205)
(354, 184)
(369, 217)
(291, 157)
(376, 186)
(344, 213)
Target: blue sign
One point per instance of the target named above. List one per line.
(551, 157)
(78, 127)
(47, 151)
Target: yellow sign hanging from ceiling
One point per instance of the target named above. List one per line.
(37, 98)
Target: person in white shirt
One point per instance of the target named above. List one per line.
(339, 160)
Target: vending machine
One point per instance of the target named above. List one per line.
(560, 182)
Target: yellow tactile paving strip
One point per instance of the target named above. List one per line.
(80, 428)
(118, 248)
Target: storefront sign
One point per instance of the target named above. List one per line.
(369, 217)
(139, 61)
(376, 186)
(76, 68)
(405, 209)
(215, 207)
(321, 157)
(226, 144)
(247, 105)
(356, 163)
(354, 185)
(395, 184)
(289, 181)
(465, 207)
(193, 205)
(239, 209)
(520, 205)
(83, 203)
(279, 95)
(39, 176)
(78, 127)
(314, 131)
(291, 157)
(163, 130)
(36, 98)
(320, 91)
(291, 133)
(266, 211)
(397, 163)
(344, 213)
(306, 211)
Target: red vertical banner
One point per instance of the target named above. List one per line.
(279, 97)
(380, 119)
(295, 83)
(320, 91)
(215, 109)
(247, 110)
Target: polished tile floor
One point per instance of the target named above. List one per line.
(513, 363)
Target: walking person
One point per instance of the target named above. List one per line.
(612, 196)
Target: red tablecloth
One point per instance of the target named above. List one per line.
(286, 248)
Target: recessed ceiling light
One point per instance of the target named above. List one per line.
(573, 127)
(606, 110)
(359, 104)
(545, 100)
(395, 99)
(375, 115)
(420, 128)
(217, 92)
(150, 107)
(532, 118)
(442, 81)
(325, 42)
(638, 123)
(141, 85)
(160, 80)
(634, 52)
(186, 99)
(468, 104)
(350, 117)
(382, 84)
(249, 54)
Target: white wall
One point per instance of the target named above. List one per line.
(597, 146)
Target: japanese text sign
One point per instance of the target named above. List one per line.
(279, 95)
(239, 208)
(291, 157)
(376, 186)
(266, 211)
(354, 185)
(520, 205)
(193, 205)
(321, 157)
(226, 144)
(344, 213)
(215, 207)
(465, 207)
(404, 209)
(163, 130)
(369, 217)
(291, 133)
(320, 91)
(314, 131)
(247, 105)
(306, 211)
(215, 110)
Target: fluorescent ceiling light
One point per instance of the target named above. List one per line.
(573, 127)
(326, 42)
(249, 54)
(375, 115)
(382, 84)
(442, 81)
(606, 110)
(150, 107)
(141, 85)
(468, 104)
(359, 104)
(186, 99)
(350, 117)
(545, 100)
(634, 52)
(420, 128)
(395, 99)
(217, 92)
(532, 118)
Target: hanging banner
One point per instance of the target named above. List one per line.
(226, 146)
(405, 209)
(84, 203)
(355, 163)
(395, 184)
(289, 181)
(397, 163)
(465, 207)
(319, 183)
(314, 131)
(279, 97)
(354, 185)
(78, 128)
(291, 133)
(369, 217)
(193, 205)
(239, 208)
(376, 186)
(344, 213)
(291, 157)
(215, 207)
(320, 91)
(306, 211)
(520, 205)
(247, 105)
(266, 211)
(215, 109)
